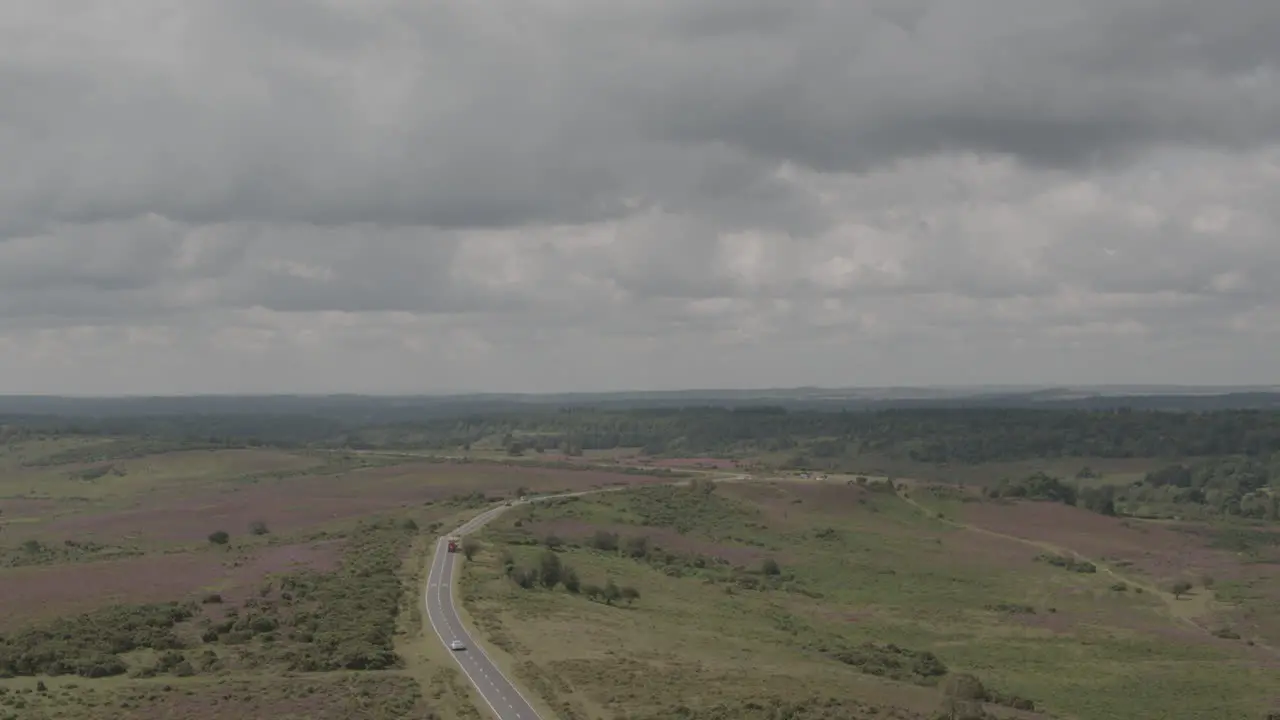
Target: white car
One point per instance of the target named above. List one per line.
(457, 645)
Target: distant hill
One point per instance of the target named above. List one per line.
(361, 409)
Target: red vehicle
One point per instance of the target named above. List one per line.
(453, 545)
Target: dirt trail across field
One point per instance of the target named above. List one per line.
(1180, 611)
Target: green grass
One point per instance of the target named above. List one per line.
(346, 644)
(117, 479)
(877, 572)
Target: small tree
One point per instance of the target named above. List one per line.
(469, 548)
(605, 540)
(611, 592)
(524, 578)
(636, 547)
(569, 578)
(1180, 588)
(258, 527)
(962, 698)
(219, 537)
(549, 569)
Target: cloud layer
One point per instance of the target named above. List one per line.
(383, 195)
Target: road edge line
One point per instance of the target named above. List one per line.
(427, 607)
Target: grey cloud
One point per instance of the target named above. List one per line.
(496, 116)
(611, 192)
(1084, 82)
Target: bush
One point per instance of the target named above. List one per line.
(636, 547)
(604, 540)
(524, 578)
(258, 527)
(219, 537)
(892, 661)
(770, 567)
(569, 578)
(89, 645)
(470, 546)
(549, 569)
(1068, 563)
(611, 593)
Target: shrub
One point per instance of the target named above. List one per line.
(1068, 563)
(549, 569)
(258, 527)
(219, 537)
(611, 592)
(470, 547)
(90, 644)
(606, 541)
(636, 547)
(569, 578)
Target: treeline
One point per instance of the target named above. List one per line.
(1237, 486)
(808, 439)
(825, 440)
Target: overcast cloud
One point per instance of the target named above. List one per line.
(392, 195)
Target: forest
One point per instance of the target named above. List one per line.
(805, 438)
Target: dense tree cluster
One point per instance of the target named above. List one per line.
(812, 438)
(1230, 485)
(1233, 485)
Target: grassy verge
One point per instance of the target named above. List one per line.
(828, 601)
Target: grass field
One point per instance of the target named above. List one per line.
(829, 600)
(115, 602)
(771, 599)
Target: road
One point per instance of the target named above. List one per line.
(502, 697)
(499, 693)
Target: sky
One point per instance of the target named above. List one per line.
(390, 196)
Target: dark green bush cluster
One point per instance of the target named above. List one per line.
(963, 696)
(892, 661)
(685, 508)
(551, 571)
(1038, 486)
(34, 552)
(770, 708)
(1012, 608)
(90, 645)
(1068, 563)
(322, 622)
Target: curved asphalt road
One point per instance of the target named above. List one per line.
(498, 692)
(502, 697)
